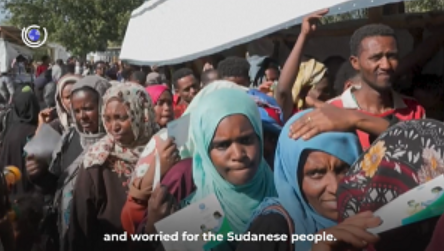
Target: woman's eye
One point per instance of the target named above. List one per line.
(221, 146)
(316, 174)
(247, 140)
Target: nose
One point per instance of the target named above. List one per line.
(193, 90)
(238, 152)
(384, 64)
(332, 181)
(167, 107)
(83, 115)
(116, 127)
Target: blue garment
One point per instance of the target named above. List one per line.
(344, 146)
(263, 100)
(238, 202)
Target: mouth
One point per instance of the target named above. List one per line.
(118, 136)
(384, 75)
(86, 125)
(330, 204)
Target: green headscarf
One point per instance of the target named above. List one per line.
(238, 202)
(187, 150)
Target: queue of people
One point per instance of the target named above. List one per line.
(315, 148)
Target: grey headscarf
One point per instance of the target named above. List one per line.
(100, 85)
(62, 111)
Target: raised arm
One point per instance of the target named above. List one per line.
(290, 70)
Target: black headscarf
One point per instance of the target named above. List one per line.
(26, 107)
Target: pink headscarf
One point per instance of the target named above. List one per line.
(155, 91)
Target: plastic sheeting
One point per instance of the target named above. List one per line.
(165, 32)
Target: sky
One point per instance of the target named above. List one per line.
(2, 16)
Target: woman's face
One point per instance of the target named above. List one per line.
(118, 122)
(66, 95)
(321, 91)
(321, 175)
(235, 149)
(164, 109)
(85, 106)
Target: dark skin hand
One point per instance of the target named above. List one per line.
(35, 167)
(350, 235)
(329, 118)
(160, 205)
(169, 156)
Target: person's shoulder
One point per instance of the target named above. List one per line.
(412, 104)
(337, 101)
(272, 222)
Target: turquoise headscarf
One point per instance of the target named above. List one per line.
(238, 202)
(343, 145)
(187, 150)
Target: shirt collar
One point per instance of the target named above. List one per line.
(349, 102)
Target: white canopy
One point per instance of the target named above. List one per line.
(164, 32)
(9, 51)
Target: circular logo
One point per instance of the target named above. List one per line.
(32, 36)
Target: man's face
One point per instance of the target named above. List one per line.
(377, 61)
(187, 88)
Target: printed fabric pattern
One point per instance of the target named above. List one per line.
(405, 156)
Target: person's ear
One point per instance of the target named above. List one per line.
(354, 61)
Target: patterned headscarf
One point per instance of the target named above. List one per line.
(310, 73)
(143, 123)
(407, 155)
(62, 111)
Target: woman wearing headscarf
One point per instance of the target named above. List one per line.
(163, 103)
(176, 171)
(311, 81)
(228, 159)
(129, 120)
(58, 178)
(405, 156)
(20, 126)
(307, 173)
(45, 173)
(63, 122)
(86, 107)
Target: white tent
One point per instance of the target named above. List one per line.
(9, 51)
(59, 52)
(164, 32)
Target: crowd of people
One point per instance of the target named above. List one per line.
(315, 147)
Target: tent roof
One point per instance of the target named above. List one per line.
(166, 32)
(12, 34)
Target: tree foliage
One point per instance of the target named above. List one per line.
(418, 6)
(82, 26)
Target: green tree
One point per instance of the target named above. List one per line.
(82, 26)
(418, 6)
